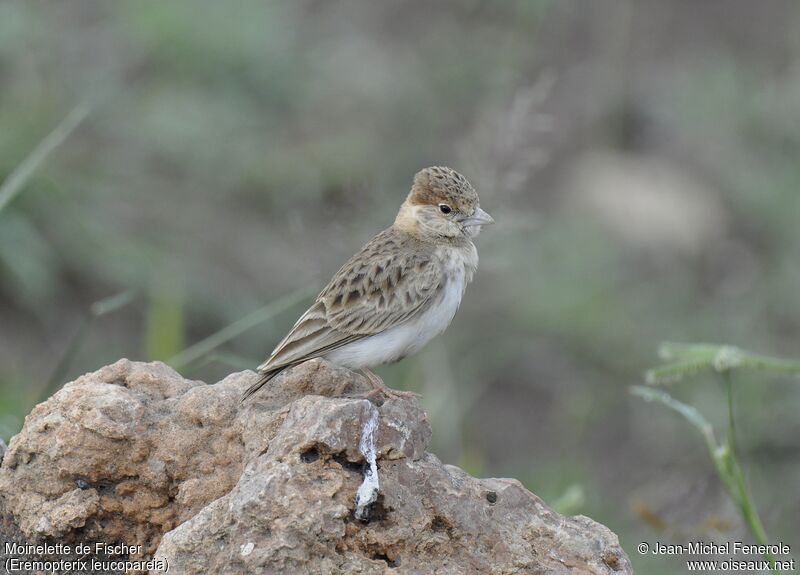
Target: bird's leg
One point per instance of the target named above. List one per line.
(379, 387)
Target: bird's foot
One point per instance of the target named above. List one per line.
(380, 388)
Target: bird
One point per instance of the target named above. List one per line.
(398, 292)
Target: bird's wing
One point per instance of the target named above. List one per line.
(310, 337)
(382, 286)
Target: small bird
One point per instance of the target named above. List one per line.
(402, 289)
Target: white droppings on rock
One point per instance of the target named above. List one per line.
(404, 430)
(43, 526)
(370, 487)
(283, 514)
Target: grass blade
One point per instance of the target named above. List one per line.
(97, 310)
(212, 342)
(17, 179)
(687, 411)
(113, 303)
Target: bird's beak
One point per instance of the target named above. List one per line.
(479, 218)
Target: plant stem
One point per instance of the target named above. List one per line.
(728, 380)
(750, 513)
(737, 484)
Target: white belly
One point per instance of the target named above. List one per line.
(409, 337)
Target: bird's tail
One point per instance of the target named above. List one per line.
(265, 378)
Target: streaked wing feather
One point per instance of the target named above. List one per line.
(310, 337)
(382, 286)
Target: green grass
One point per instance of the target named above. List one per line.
(690, 359)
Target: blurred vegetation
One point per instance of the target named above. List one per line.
(689, 359)
(640, 159)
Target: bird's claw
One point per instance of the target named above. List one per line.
(379, 388)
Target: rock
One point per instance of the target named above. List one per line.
(134, 453)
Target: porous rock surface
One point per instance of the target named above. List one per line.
(134, 453)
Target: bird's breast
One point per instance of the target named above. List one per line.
(410, 336)
(458, 263)
(458, 267)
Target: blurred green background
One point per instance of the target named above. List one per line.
(641, 159)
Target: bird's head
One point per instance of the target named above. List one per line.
(442, 204)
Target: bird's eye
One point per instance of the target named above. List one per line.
(445, 208)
